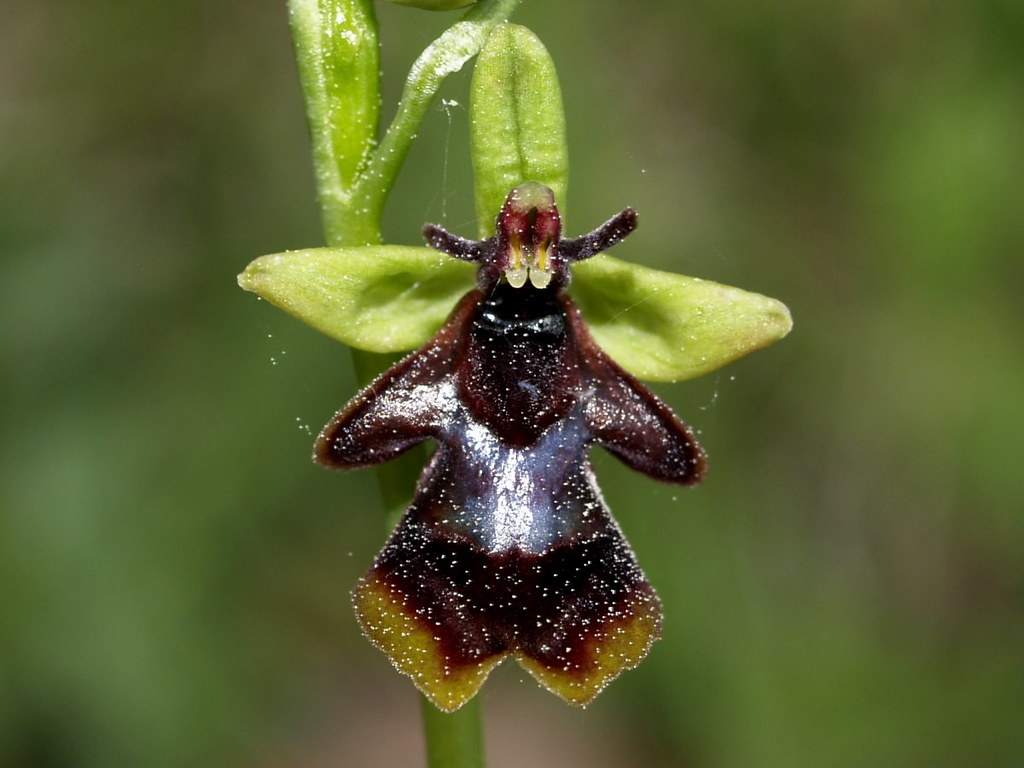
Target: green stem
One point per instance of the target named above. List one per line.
(454, 740)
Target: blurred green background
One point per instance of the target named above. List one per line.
(847, 588)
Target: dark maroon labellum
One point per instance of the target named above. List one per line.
(508, 547)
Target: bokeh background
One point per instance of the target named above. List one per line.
(847, 588)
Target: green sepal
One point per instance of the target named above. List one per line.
(661, 326)
(517, 124)
(379, 298)
(657, 325)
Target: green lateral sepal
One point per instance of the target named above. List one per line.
(378, 298)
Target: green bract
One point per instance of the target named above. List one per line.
(517, 125)
(657, 325)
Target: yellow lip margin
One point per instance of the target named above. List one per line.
(413, 649)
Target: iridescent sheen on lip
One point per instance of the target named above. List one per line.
(508, 547)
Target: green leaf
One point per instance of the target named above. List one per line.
(666, 327)
(517, 125)
(380, 298)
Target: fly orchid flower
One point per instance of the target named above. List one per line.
(508, 547)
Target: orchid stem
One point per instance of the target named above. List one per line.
(455, 739)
